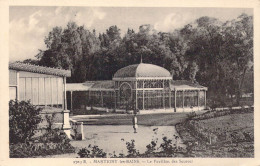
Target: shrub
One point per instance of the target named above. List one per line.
(84, 153)
(191, 115)
(150, 149)
(23, 121)
(168, 148)
(91, 152)
(132, 152)
(50, 121)
(51, 143)
(54, 136)
(165, 149)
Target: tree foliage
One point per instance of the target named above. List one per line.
(23, 121)
(216, 54)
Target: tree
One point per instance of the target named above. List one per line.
(215, 54)
(113, 33)
(239, 50)
(179, 63)
(70, 49)
(30, 61)
(192, 71)
(56, 55)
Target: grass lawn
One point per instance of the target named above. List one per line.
(163, 119)
(233, 122)
(222, 136)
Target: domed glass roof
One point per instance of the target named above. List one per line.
(142, 70)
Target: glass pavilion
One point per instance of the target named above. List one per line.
(140, 86)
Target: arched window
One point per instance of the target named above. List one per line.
(125, 91)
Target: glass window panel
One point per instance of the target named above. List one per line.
(166, 102)
(179, 99)
(173, 99)
(202, 98)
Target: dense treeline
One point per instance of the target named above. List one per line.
(216, 54)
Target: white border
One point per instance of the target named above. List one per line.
(4, 50)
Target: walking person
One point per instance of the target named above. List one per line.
(135, 125)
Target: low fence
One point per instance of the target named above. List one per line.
(232, 108)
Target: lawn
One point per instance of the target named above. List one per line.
(229, 135)
(231, 123)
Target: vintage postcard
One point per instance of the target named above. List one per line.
(130, 83)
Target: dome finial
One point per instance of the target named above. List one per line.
(141, 58)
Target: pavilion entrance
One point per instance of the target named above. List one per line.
(125, 96)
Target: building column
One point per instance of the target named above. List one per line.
(115, 98)
(64, 92)
(45, 104)
(198, 99)
(66, 123)
(71, 100)
(170, 98)
(136, 96)
(143, 95)
(102, 100)
(115, 87)
(183, 99)
(163, 95)
(205, 98)
(39, 92)
(175, 96)
(57, 85)
(17, 86)
(52, 92)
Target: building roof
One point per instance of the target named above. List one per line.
(142, 70)
(77, 87)
(185, 85)
(39, 69)
(109, 85)
(91, 86)
(106, 84)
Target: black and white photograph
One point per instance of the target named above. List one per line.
(170, 84)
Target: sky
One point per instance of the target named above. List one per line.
(28, 26)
